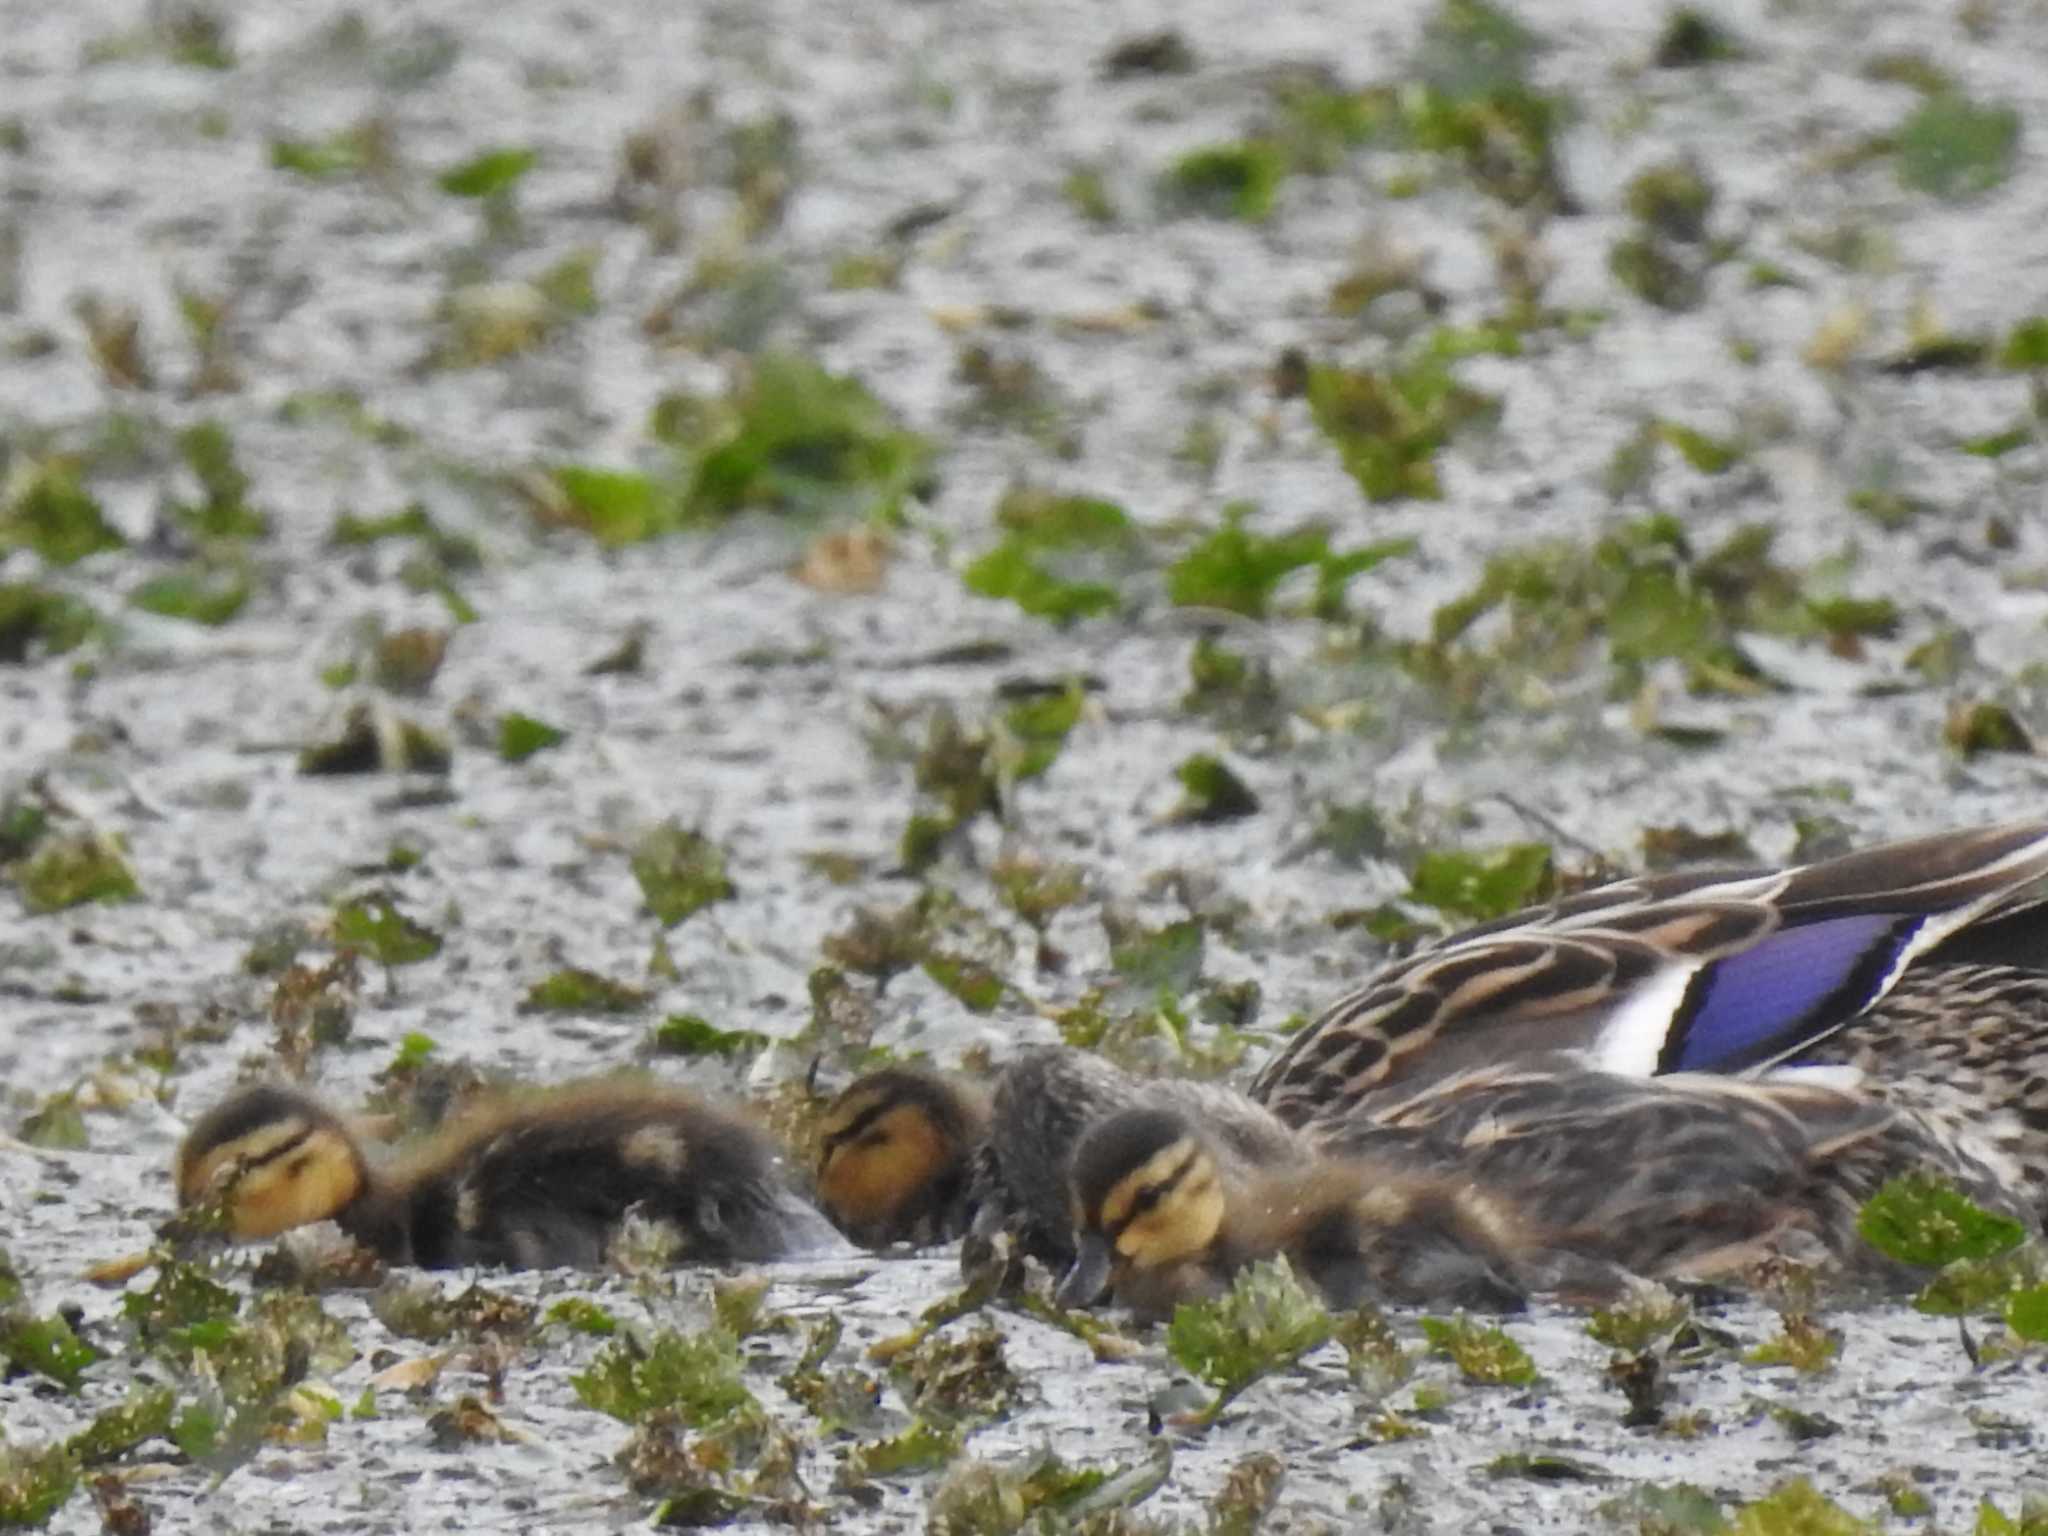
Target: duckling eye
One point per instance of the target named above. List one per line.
(1146, 1199)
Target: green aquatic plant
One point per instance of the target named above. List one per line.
(1388, 426)
(1211, 792)
(1237, 570)
(575, 990)
(812, 443)
(1481, 886)
(1482, 1352)
(1265, 1322)
(69, 869)
(1060, 556)
(490, 173)
(695, 1376)
(680, 872)
(51, 513)
(209, 592)
(686, 1034)
(521, 736)
(223, 511)
(45, 1346)
(1953, 148)
(374, 925)
(37, 621)
(1238, 181)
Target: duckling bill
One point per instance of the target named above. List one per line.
(537, 1180)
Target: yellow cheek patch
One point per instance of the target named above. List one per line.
(1182, 1224)
(870, 1179)
(280, 1177)
(1159, 1171)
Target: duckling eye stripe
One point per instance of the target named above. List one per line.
(1752, 1006)
(852, 1129)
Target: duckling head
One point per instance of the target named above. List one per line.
(275, 1158)
(894, 1151)
(1146, 1195)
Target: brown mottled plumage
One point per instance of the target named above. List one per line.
(531, 1180)
(1507, 1182)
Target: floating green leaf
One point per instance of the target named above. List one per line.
(1387, 427)
(685, 1034)
(1483, 886)
(680, 872)
(1236, 181)
(1214, 792)
(584, 1316)
(1953, 148)
(38, 621)
(1167, 960)
(490, 174)
(144, 1416)
(520, 736)
(34, 1483)
(72, 868)
(1058, 557)
(809, 442)
(203, 591)
(1237, 570)
(375, 926)
(56, 517)
(575, 990)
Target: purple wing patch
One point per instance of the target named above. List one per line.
(1797, 985)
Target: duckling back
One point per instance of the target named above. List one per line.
(548, 1180)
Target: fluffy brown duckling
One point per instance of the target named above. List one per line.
(529, 1180)
(1504, 1183)
(1049, 1097)
(895, 1157)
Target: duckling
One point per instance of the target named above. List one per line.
(1049, 1096)
(532, 1180)
(895, 1156)
(1922, 965)
(1508, 1182)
